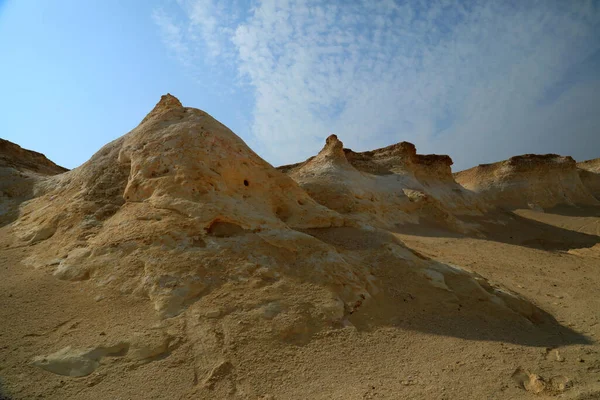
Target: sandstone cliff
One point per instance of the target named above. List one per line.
(529, 180)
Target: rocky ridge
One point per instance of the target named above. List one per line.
(589, 172)
(22, 173)
(231, 252)
(180, 208)
(530, 180)
(388, 187)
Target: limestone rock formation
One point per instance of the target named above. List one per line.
(151, 212)
(21, 175)
(180, 209)
(530, 180)
(387, 187)
(589, 172)
(231, 252)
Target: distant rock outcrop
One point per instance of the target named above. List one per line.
(387, 187)
(21, 171)
(589, 172)
(13, 156)
(530, 180)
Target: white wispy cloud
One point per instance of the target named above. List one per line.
(172, 35)
(479, 80)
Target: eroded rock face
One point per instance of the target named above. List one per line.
(387, 187)
(13, 156)
(140, 348)
(169, 210)
(22, 175)
(589, 172)
(536, 384)
(181, 208)
(590, 165)
(534, 181)
(181, 212)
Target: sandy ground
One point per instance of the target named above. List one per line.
(551, 258)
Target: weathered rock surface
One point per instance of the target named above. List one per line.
(386, 187)
(22, 173)
(76, 363)
(589, 172)
(531, 180)
(536, 384)
(140, 348)
(180, 208)
(231, 252)
(13, 156)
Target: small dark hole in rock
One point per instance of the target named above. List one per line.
(224, 229)
(246, 183)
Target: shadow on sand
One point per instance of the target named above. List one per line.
(575, 211)
(407, 300)
(467, 322)
(510, 228)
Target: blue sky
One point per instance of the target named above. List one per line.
(478, 80)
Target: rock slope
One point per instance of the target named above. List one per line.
(589, 172)
(231, 252)
(22, 173)
(387, 187)
(180, 207)
(534, 181)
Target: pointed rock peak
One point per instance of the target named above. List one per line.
(333, 141)
(331, 155)
(334, 148)
(167, 102)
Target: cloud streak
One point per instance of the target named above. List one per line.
(479, 80)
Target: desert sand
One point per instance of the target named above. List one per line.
(178, 264)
